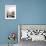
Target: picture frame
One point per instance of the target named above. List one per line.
(10, 11)
(38, 30)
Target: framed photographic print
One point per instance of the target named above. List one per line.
(31, 32)
(10, 11)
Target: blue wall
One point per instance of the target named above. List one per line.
(27, 12)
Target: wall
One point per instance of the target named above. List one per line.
(28, 12)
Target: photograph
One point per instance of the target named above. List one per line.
(10, 11)
(30, 33)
